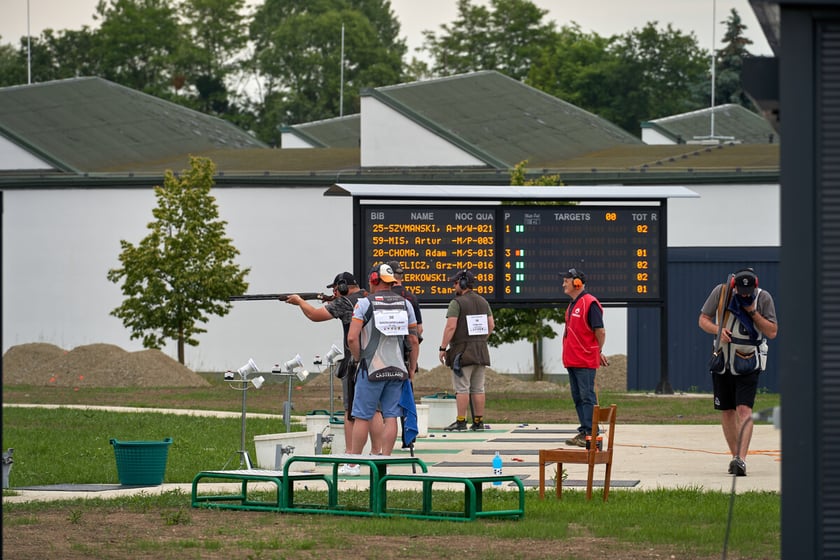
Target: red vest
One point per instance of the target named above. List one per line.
(580, 347)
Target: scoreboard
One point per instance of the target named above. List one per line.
(519, 252)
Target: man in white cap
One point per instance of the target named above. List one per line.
(382, 323)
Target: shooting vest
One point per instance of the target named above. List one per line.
(473, 348)
(383, 337)
(744, 355)
(580, 347)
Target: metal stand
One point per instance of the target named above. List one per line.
(244, 458)
(332, 393)
(287, 406)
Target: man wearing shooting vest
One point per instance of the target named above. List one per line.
(469, 323)
(583, 342)
(382, 323)
(741, 316)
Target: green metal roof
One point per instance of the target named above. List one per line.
(91, 124)
(731, 122)
(339, 132)
(500, 120)
(107, 135)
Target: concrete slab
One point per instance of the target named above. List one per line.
(646, 457)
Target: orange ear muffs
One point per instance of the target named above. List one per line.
(577, 283)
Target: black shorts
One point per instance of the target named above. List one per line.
(732, 391)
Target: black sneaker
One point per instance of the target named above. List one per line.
(738, 467)
(477, 426)
(579, 440)
(457, 426)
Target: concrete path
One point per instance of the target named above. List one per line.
(646, 457)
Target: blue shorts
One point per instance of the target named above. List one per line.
(370, 394)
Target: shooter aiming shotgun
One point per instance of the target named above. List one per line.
(282, 297)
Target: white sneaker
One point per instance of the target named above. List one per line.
(350, 470)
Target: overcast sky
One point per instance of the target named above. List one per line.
(605, 17)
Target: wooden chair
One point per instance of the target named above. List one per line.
(604, 417)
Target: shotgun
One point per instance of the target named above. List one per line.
(282, 297)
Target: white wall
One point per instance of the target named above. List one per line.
(389, 139)
(59, 244)
(726, 216)
(14, 157)
(652, 136)
(289, 140)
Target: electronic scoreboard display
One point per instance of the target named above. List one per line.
(517, 253)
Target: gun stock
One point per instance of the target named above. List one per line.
(282, 297)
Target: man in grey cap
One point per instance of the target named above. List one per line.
(347, 292)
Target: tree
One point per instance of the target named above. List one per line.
(508, 37)
(136, 44)
(297, 45)
(217, 31)
(533, 325)
(729, 62)
(626, 79)
(183, 271)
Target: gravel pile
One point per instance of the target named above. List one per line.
(94, 365)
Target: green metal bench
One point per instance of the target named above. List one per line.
(473, 497)
(377, 465)
(240, 499)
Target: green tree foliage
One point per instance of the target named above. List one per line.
(55, 55)
(626, 79)
(218, 34)
(136, 44)
(183, 271)
(12, 65)
(729, 62)
(533, 325)
(506, 37)
(297, 45)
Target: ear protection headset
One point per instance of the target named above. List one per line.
(577, 283)
(740, 274)
(342, 287)
(373, 279)
(462, 280)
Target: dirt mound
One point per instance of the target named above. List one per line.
(94, 365)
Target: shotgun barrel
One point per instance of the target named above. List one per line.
(282, 297)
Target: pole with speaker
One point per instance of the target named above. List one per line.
(243, 384)
(290, 369)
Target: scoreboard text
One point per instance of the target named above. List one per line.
(518, 253)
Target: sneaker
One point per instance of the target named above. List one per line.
(477, 426)
(579, 440)
(738, 467)
(457, 426)
(350, 470)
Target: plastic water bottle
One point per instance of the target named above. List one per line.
(497, 468)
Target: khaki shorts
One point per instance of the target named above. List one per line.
(471, 382)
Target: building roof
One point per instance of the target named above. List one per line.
(731, 122)
(500, 120)
(100, 134)
(338, 132)
(91, 124)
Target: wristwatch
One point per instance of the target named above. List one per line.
(442, 349)
(753, 312)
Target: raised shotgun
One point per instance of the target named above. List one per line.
(282, 297)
